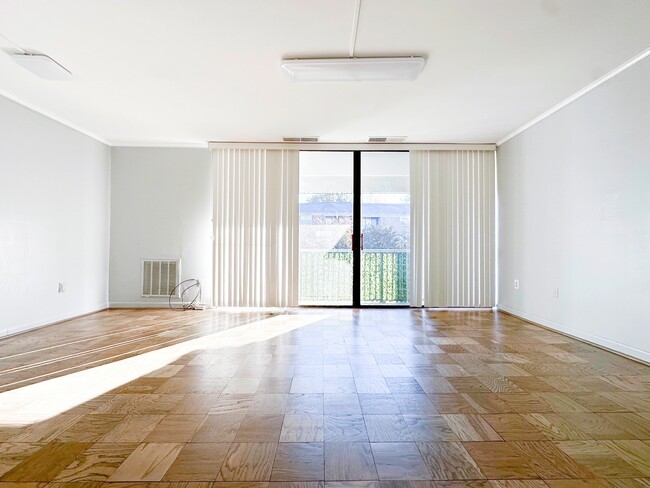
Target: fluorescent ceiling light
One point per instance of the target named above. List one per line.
(354, 69)
(43, 66)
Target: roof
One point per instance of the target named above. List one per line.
(345, 208)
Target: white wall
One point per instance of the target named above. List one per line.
(54, 220)
(161, 207)
(574, 199)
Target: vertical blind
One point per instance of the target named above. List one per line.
(255, 227)
(452, 228)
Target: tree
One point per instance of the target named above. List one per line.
(383, 237)
(375, 237)
(345, 242)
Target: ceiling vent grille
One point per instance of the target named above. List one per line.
(392, 139)
(300, 139)
(160, 276)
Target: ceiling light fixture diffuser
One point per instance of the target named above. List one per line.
(42, 66)
(354, 69)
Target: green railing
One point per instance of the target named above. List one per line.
(384, 276)
(326, 277)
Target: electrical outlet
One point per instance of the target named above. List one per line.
(61, 287)
(516, 284)
(556, 293)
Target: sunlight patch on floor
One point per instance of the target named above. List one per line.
(46, 399)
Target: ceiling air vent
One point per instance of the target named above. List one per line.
(160, 276)
(300, 139)
(387, 139)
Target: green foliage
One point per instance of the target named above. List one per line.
(382, 237)
(375, 237)
(326, 277)
(345, 242)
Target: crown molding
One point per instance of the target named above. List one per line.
(616, 71)
(153, 144)
(341, 146)
(53, 117)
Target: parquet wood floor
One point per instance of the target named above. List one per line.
(316, 398)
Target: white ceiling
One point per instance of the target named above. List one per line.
(189, 71)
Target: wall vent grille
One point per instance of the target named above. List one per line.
(300, 139)
(387, 139)
(160, 276)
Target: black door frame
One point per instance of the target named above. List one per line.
(356, 230)
(357, 236)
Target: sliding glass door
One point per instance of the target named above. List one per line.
(326, 205)
(385, 212)
(354, 228)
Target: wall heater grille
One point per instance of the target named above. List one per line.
(160, 276)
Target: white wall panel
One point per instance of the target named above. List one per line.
(54, 220)
(574, 224)
(161, 208)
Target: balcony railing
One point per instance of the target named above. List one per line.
(326, 277)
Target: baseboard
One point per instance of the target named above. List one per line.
(139, 304)
(52, 320)
(609, 345)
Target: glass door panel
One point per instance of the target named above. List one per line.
(385, 214)
(326, 218)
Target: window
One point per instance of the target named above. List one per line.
(371, 221)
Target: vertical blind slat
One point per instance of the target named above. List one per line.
(452, 228)
(255, 227)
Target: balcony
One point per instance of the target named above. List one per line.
(326, 277)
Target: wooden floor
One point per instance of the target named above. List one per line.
(370, 398)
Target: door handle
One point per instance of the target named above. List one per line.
(361, 242)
